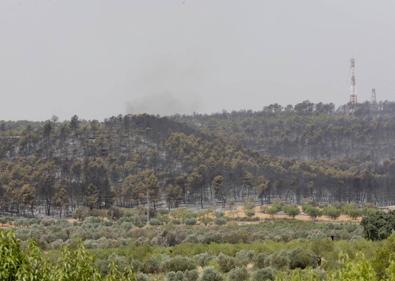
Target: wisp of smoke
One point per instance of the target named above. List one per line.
(163, 104)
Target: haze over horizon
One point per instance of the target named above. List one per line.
(99, 58)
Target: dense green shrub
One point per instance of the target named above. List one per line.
(322, 246)
(155, 221)
(238, 274)
(11, 257)
(203, 259)
(142, 277)
(220, 221)
(226, 263)
(261, 260)
(311, 211)
(351, 210)
(274, 208)
(249, 208)
(191, 275)
(301, 258)
(359, 269)
(332, 212)
(176, 221)
(291, 210)
(279, 260)
(152, 265)
(181, 214)
(140, 220)
(175, 276)
(121, 262)
(249, 212)
(265, 274)
(190, 221)
(378, 225)
(245, 256)
(179, 263)
(81, 213)
(209, 274)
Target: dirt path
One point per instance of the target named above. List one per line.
(6, 225)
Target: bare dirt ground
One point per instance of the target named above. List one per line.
(6, 225)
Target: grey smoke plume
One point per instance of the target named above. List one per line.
(169, 83)
(162, 104)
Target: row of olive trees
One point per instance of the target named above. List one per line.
(332, 211)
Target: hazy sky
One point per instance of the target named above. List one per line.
(98, 58)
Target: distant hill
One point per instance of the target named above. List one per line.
(56, 167)
(308, 131)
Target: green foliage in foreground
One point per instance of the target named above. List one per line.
(32, 264)
(296, 260)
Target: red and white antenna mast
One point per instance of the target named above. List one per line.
(353, 89)
(373, 98)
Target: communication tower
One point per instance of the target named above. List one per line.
(373, 98)
(353, 90)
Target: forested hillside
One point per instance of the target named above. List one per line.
(308, 131)
(56, 167)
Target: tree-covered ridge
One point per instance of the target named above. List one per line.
(133, 160)
(307, 130)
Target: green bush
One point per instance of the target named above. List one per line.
(354, 213)
(274, 208)
(249, 212)
(175, 276)
(142, 277)
(203, 259)
(332, 212)
(265, 274)
(261, 260)
(279, 260)
(81, 213)
(190, 221)
(245, 256)
(191, 275)
(351, 210)
(210, 274)
(179, 263)
(136, 265)
(140, 220)
(301, 258)
(11, 257)
(152, 265)
(312, 212)
(220, 221)
(238, 274)
(155, 221)
(378, 225)
(291, 210)
(322, 246)
(249, 208)
(226, 263)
